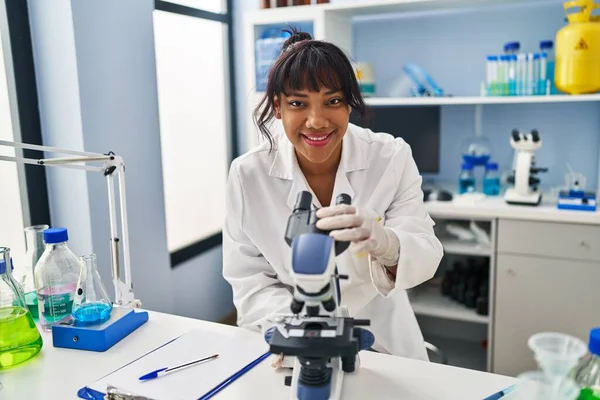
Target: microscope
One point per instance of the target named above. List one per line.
(525, 190)
(319, 333)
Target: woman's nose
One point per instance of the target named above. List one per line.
(317, 119)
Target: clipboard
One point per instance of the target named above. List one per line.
(234, 351)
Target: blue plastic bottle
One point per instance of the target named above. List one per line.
(466, 180)
(491, 180)
(547, 46)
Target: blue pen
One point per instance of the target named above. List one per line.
(501, 393)
(162, 371)
(233, 377)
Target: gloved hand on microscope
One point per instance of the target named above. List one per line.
(366, 234)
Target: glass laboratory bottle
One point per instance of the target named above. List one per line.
(20, 339)
(92, 304)
(56, 276)
(491, 180)
(466, 180)
(587, 374)
(35, 248)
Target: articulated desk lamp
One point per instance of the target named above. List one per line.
(123, 319)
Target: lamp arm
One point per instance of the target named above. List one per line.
(113, 165)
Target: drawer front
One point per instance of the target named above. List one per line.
(549, 239)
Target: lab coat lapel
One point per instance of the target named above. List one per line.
(353, 159)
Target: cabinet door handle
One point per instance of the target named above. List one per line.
(583, 243)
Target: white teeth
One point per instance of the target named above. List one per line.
(317, 139)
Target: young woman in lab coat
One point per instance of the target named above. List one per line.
(312, 89)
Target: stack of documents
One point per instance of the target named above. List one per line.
(189, 383)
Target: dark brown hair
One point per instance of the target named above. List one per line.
(305, 63)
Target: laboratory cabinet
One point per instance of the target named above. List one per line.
(547, 279)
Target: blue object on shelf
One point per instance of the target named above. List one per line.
(100, 337)
(577, 200)
(491, 180)
(512, 47)
(466, 180)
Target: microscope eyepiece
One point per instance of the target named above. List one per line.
(535, 136)
(515, 135)
(303, 202)
(343, 198)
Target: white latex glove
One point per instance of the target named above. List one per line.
(363, 229)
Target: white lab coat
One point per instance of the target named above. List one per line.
(379, 173)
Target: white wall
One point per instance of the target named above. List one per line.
(106, 50)
(11, 203)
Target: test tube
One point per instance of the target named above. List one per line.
(529, 76)
(512, 75)
(536, 73)
(543, 74)
(503, 74)
(491, 75)
(521, 73)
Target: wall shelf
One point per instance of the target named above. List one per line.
(435, 101)
(461, 247)
(384, 7)
(433, 304)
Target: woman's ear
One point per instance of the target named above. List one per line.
(277, 107)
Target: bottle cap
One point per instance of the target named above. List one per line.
(513, 57)
(492, 58)
(536, 56)
(56, 235)
(466, 166)
(594, 344)
(3, 266)
(504, 57)
(492, 166)
(512, 46)
(546, 44)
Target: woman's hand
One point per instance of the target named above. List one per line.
(363, 229)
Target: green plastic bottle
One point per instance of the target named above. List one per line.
(20, 340)
(587, 374)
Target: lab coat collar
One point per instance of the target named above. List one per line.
(285, 166)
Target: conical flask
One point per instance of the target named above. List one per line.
(20, 339)
(92, 304)
(34, 239)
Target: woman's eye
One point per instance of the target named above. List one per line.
(295, 103)
(335, 101)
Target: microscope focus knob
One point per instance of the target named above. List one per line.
(343, 198)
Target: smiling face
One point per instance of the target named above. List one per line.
(315, 123)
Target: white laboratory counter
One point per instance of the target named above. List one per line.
(59, 373)
(496, 207)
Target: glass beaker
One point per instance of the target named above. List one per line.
(92, 304)
(20, 339)
(34, 241)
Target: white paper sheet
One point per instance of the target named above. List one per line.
(194, 381)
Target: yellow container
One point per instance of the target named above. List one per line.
(577, 69)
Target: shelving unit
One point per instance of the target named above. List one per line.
(461, 247)
(433, 304)
(474, 100)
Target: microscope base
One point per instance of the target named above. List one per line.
(513, 197)
(337, 377)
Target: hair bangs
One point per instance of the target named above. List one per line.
(310, 69)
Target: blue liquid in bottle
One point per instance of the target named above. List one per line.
(491, 180)
(466, 180)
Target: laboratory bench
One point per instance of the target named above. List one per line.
(542, 272)
(58, 373)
